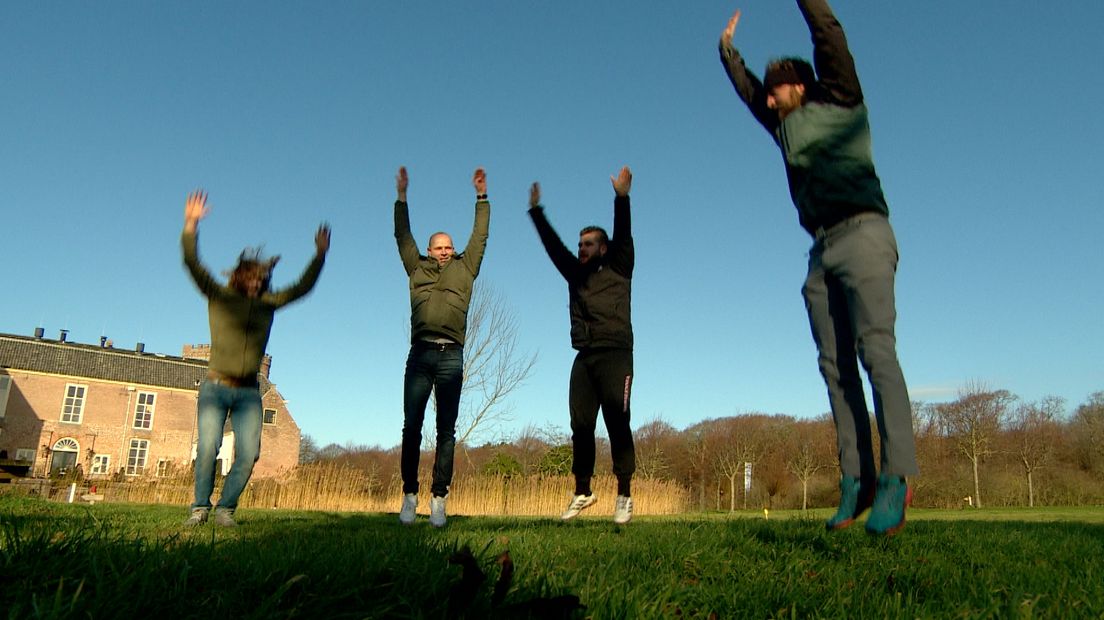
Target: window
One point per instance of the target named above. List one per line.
(101, 464)
(5, 387)
(65, 453)
(136, 457)
(143, 410)
(25, 454)
(74, 403)
(269, 416)
(164, 468)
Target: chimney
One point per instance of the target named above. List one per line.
(140, 347)
(103, 342)
(64, 333)
(39, 332)
(266, 365)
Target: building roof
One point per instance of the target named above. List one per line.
(109, 364)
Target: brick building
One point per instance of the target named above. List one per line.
(114, 411)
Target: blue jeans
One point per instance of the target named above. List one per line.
(849, 297)
(431, 368)
(243, 406)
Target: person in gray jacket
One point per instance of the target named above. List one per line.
(440, 291)
(818, 119)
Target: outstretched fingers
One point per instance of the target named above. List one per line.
(730, 29)
(622, 182)
(322, 238)
(195, 207)
(534, 194)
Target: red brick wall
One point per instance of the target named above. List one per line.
(33, 420)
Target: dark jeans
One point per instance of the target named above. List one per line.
(849, 297)
(439, 369)
(601, 378)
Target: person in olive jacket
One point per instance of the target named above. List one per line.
(440, 291)
(818, 119)
(599, 284)
(240, 314)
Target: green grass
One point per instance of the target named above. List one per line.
(122, 561)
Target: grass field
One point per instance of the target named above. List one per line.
(129, 560)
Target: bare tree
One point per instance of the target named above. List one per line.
(653, 442)
(1087, 432)
(739, 440)
(810, 453)
(494, 367)
(1034, 432)
(973, 422)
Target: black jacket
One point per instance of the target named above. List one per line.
(600, 291)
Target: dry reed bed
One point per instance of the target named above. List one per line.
(347, 489)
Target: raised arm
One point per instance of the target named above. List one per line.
(408, 249)
(562, 258)
(747, 85)
(472, 255)
(622, 254)
(832, 58)
(309, 276)
(195, 209)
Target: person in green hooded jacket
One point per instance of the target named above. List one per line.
(818, 119)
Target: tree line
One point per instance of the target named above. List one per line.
(987, 447)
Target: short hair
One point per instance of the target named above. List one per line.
(602, 236)
(437, 234)
(789, 70)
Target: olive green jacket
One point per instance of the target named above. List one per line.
(240, 325)
(439, 296)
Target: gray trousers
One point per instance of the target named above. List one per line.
(849, 297)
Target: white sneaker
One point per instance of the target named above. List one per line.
(437, 511)
(409, 508)
(578, 503)
(198, 517)
(622, 511)
(224, 517)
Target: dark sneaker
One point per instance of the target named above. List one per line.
(887, 516)
(198, 517)
(855, 498)
(224, 517)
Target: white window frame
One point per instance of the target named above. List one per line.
(143, 411)
(164, 468)
(73, 403)
(137, 456)
(25, 454)
(101, 464)
(5, 389)
(264, 417)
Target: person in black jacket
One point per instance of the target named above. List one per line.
(599, 284)
(818, 119)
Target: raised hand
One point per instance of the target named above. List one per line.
(534, 195)
(195, 209)
(479, 180)
(622, 182)
(730, 29)
(401, 183)
(322, 238)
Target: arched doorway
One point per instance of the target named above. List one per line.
(65, 453)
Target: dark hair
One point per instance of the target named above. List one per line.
(789, 70)
(602, 236)
(249, 264)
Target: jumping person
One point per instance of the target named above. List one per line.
(440, 291)
(819, 121)
(599, 284)
(240, 314)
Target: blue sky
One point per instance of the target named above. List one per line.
(986, 131)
